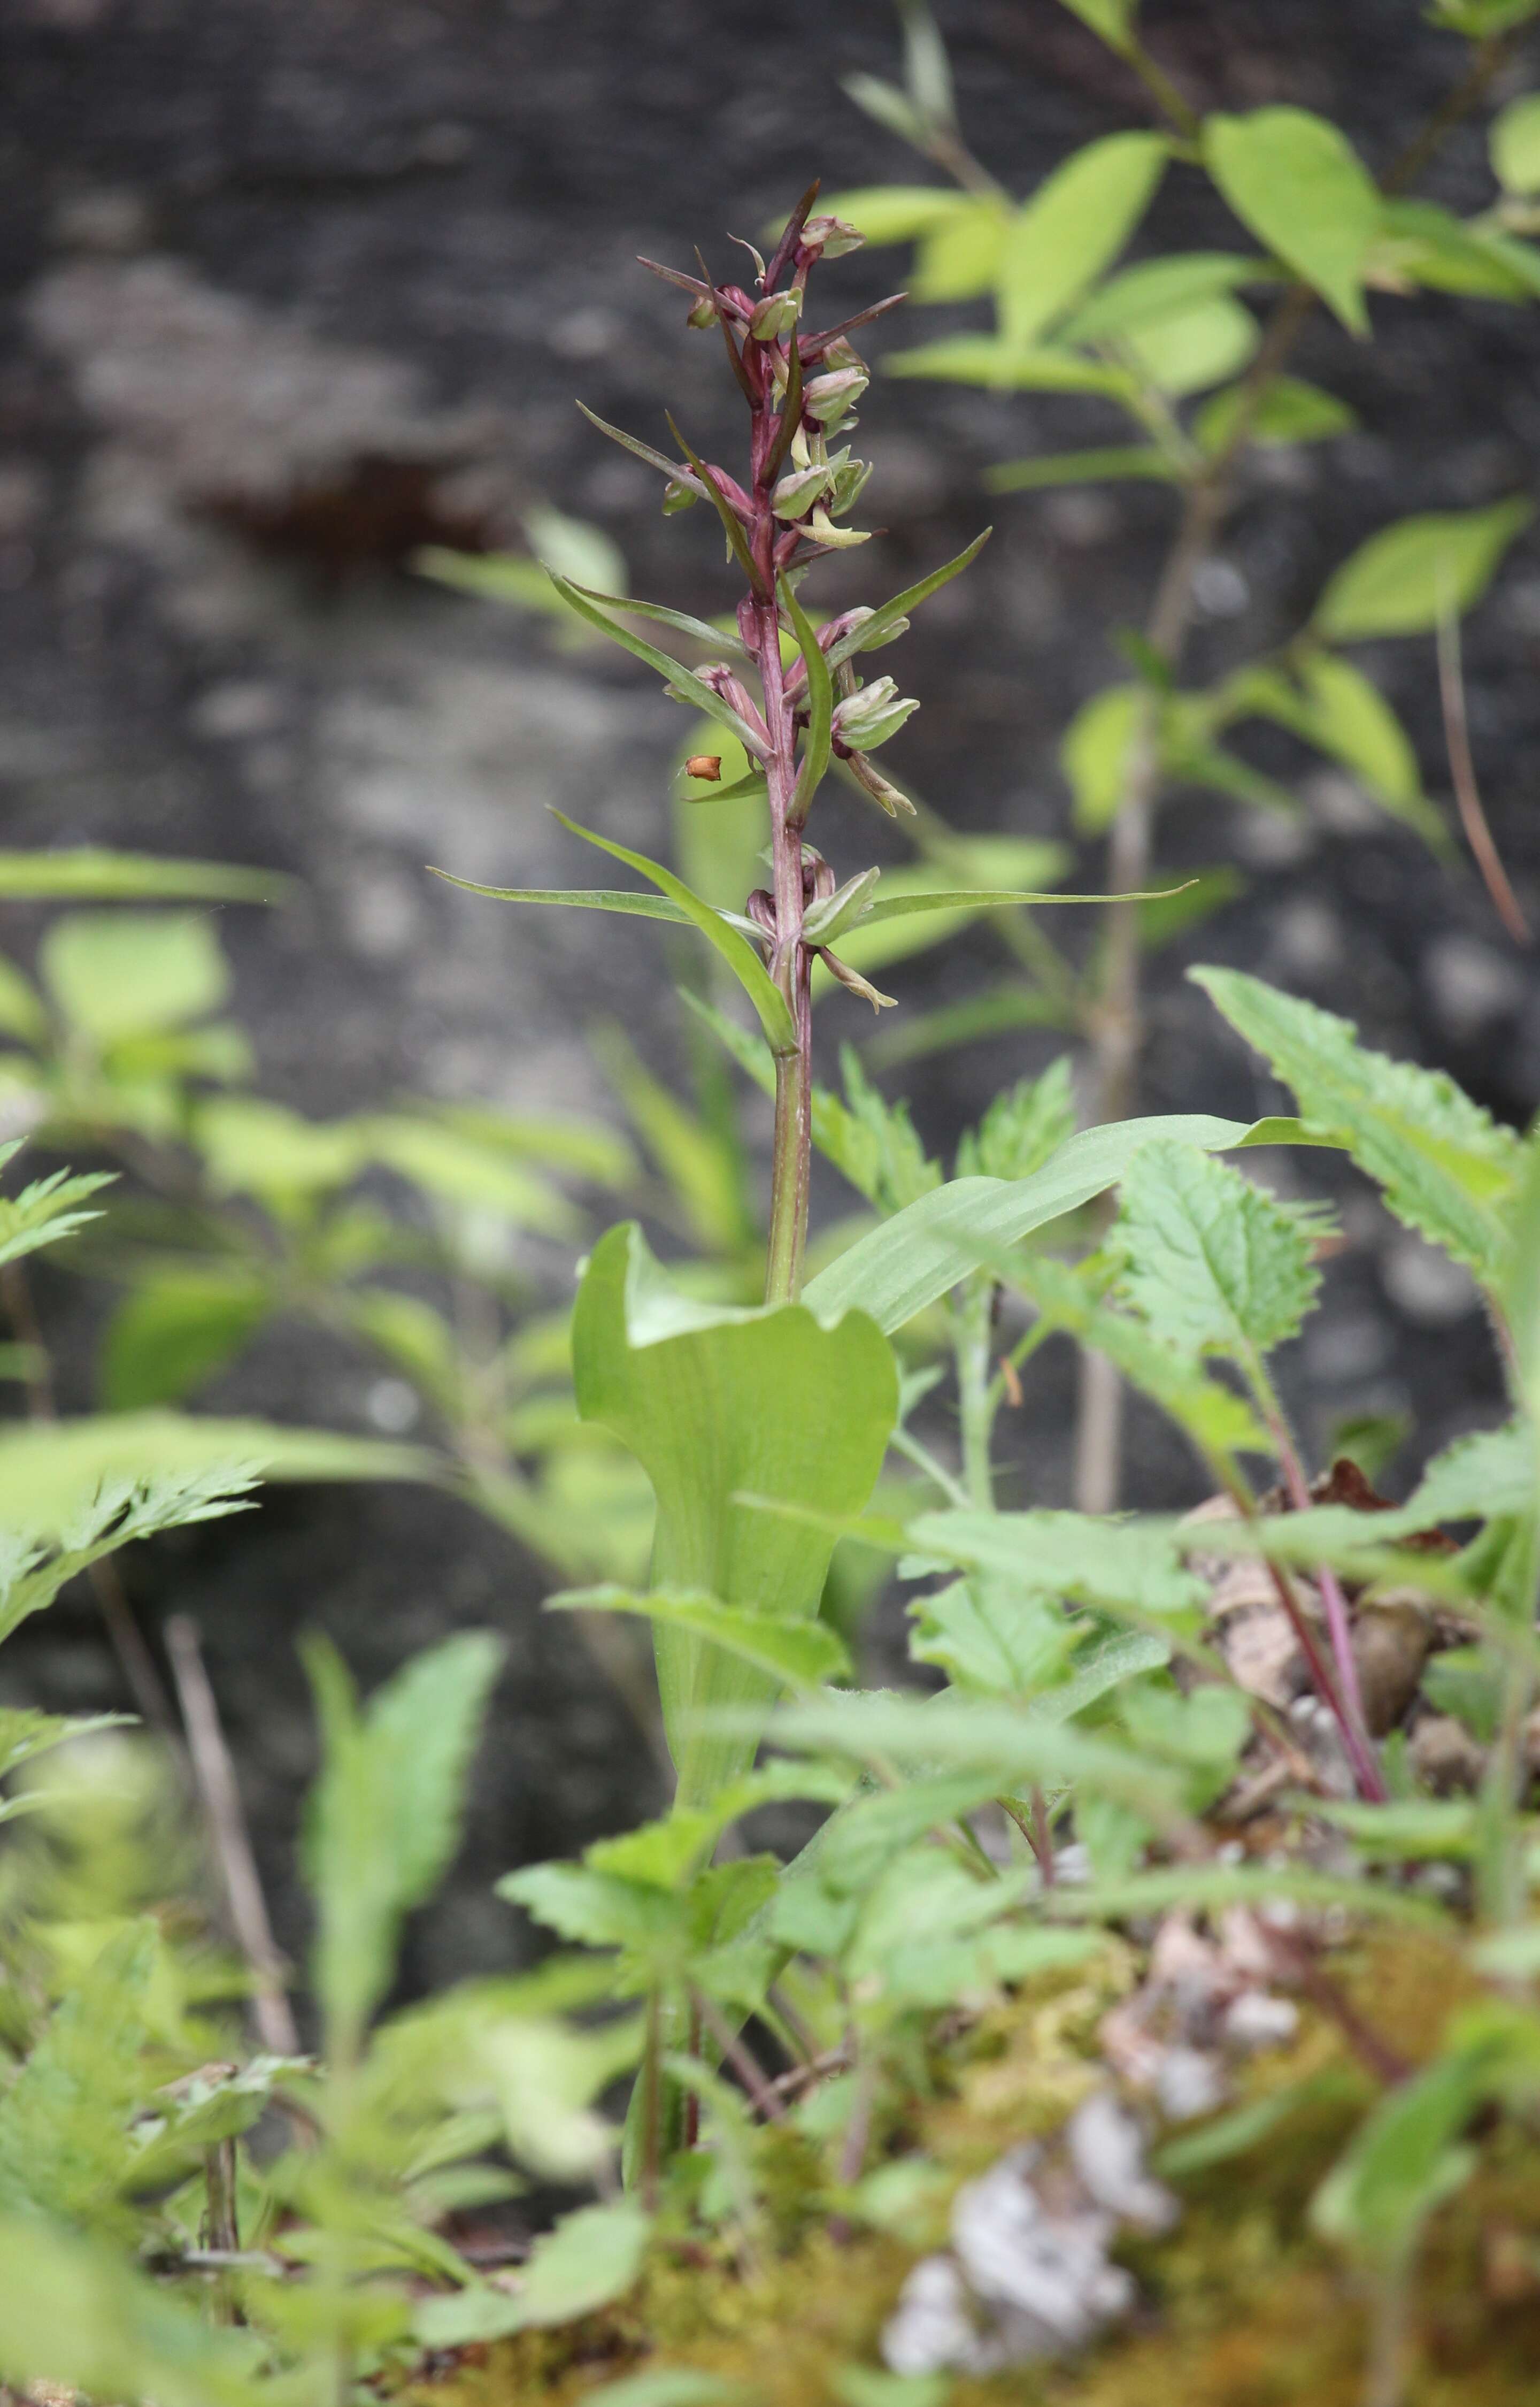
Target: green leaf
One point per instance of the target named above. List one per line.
(1113, 19)
(805, 1653)
(1289, 411)
(886, 213)
(1446, 1169)
(1210, 1260)
(1002, 367)
(1022, 1128)
(1349, 718)
(1425, 245)
(1079, 1557)
(1097, 751)
(783, 1401)
(911, 1259)
(46, 1210)
(671, 2386)
(81, 874)
(50, 1474)
(623, 899)
(1298, 185)
(681, 682)
(21, 1009)
(1404, 577)
(120, 974)
(1193, 349)
(1513, 141)
(78, 2314)
(588, 2260)
(453, 1168)
(960, 258)
(1158, 289)
(817, 743)
(992, 1636)
(1211, 1416)
(384, 1818)
(1403, 2162)
(174, 1329)
(1081, 468)
(1076, 221)
(902, 606)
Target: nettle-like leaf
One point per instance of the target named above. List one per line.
(64, 2144)
(1022, 1128)
(911, 1259)
(1446, 1169)
(1300, 187)
(792, 1403)
(1078, 1557)
(383, 1818)
(992, 1635)
(1076, 221)
(1211, 1262)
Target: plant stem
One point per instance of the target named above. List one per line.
(791, 968)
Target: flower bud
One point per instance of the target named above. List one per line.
(842, 353)
(677, 497)
(822, 530)
(849, 478)
(831, 237)
(796, 494)
(704, 314)
(776, 315)
(830, 398)
(865, 720)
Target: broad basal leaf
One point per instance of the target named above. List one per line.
(790, 1401)
(1446, 1167)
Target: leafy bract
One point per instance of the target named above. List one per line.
(383, 1818)
(1210, 1260)
(1300, 187)
(680, 681)
(792, 1403)
(1410, 575)
(1446, 1167)
(897, 1270)
(1078, 220)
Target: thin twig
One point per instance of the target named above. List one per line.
(1467, 794)
(760, 2088)
(225, 1817)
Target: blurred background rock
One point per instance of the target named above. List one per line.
(292, 286)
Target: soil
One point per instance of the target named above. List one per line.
(291, 286)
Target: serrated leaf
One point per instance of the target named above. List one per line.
(46, 1211)
(1082, 1557)
(677, 679)
(992, 1635)
(1210, 1260)
(1404, 579)
(1349, 718)
(787, 1401)
(1300, 188)
(1002, 367)
(1022, 1128)
(1076, 221)
(1446, 1169)
(898, 1269)
(383, 1818)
